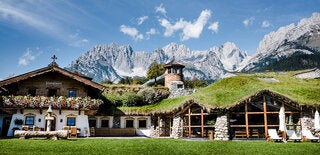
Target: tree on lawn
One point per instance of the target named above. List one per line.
(154, 71)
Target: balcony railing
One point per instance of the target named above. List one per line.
(41, 102)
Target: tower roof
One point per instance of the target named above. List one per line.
(172, 63)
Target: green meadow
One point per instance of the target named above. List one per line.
(153, 146)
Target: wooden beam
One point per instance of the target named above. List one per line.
(189, 120)
(202, 128)
(159, 127)
(265, 117)
(165, 126)
(170, 126)
(247, 119)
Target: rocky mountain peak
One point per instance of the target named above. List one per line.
(114, 61)
(289, 40)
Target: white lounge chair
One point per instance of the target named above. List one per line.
(292, 136)
(273, 135)
(308, 136)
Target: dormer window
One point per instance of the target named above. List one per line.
(72, 93)
(52, 92)
(32, 92)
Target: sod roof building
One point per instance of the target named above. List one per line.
(245, 106)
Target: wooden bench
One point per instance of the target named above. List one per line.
(254, 134)
(240, 134)
(108, 132)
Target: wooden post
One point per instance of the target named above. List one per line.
(189, 117)
(247, 120)
(170, 125)
(165, 126)
(202, 128)
(265, 117)
(159, 127)
(284, 134)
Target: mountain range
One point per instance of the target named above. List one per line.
(290, 47)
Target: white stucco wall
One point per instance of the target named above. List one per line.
(100, 118)
(61, 119)
(140, 131)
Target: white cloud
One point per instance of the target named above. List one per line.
(21, 16)
(75, 40)
(53, 19)
(73, 36)
(142, 19)
(26, 58)
(214, 27)
(12, 13)
(189, 29)
(79, 42)
(132, 32)
(161, 9)
(248, 21)
(265, 24)
(170, 29)
(152, 31)
(193, 30)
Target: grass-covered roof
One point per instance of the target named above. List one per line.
(231, 91)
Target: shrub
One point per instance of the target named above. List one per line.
(130, 99)
(151, 96)
(125, 99)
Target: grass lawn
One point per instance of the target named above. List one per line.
(153, 146)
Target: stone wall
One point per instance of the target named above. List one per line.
(180, 92)
(306, 122)
(221, 128)
(154, 130)
(176, 127)
(116, 122)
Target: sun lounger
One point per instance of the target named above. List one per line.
(308, 136)
(292, 136)
(273, 135)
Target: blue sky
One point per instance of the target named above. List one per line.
(31, 31)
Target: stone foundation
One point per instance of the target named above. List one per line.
(154, 130)
(307, 122)
(221, 128)
(180, 92)
(176, 127)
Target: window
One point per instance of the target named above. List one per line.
(72, 93)
(71, 121)
(105, 123)
(175, 70)
(32, 92)
(29, 120)
(179, 86)
(92, 123)
(129, 123)
(142, 123)
(52, 92)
